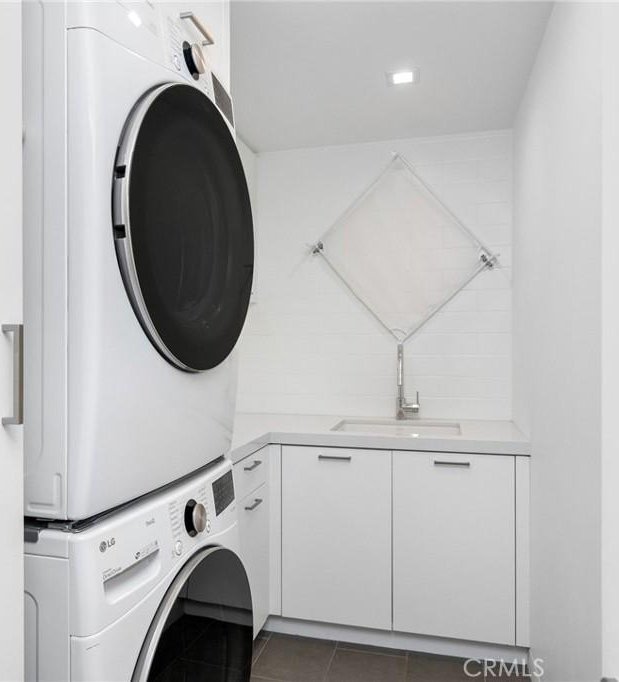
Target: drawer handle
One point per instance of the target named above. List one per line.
(447, 463)
(257, 503)
(18, 374)
(340, 458)
(255, 465)
(208, 37)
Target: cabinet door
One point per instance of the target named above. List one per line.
(11, 436)
(454, 546)
(336, 536)
(254, 533)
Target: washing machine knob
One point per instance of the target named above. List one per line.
(194, 58)
(195, 517)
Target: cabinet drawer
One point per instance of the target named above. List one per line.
(251, 472)
(336, 536)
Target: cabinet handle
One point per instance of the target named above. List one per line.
(18, 373)
(208, 36)
(255, 465)
(341, 458)
(447, 463)
(257, 503)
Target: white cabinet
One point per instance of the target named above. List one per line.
(11, 436)
(254, 527)
(336, 536)
(454, 546)
(422, 543)
(252, 486)
(523, 521)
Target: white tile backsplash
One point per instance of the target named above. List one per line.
(310, 347)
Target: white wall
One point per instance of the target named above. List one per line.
(557, 337)
(310, 347)
(248, 159)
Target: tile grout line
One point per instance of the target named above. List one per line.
(262, 648)
(407, 667)
(326, 675)
(402, 655)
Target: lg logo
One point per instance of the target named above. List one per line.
(106, 544)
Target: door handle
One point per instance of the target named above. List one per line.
(447, 463)
(257, 503)
(255, 465)
(208, 36)
(340, 458)
(18, 373)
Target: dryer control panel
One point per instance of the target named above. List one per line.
(187, 51)
(189, 44)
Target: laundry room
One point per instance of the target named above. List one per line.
(308, 366)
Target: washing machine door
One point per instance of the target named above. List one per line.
(182, 226)
(202, 631)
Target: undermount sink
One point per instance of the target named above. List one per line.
(416, 428)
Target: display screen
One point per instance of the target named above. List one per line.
(223, 492)
(222, 99)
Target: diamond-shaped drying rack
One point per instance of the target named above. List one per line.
(401, 252)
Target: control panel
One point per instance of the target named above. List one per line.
(223, 492)
(129, 552)
(190, 517)
(188, 49)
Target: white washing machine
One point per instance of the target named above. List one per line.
(138, 252)
(155, 591)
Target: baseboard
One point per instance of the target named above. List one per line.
(397, 640)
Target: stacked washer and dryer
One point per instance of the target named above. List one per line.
(138, 272)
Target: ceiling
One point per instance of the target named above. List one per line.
(308, 74)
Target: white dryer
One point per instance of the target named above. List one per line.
(138, 252)
(155, 591)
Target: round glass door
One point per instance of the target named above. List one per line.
(183, 227)
(202, 631)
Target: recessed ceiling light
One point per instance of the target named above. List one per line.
(403, 77)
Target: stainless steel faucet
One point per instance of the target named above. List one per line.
(404, 409)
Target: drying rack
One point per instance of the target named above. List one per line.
(487, 258)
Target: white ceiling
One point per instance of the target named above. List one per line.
(308, 74)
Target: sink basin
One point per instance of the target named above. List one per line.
(417, 428)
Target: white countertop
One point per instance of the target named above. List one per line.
(253, 431)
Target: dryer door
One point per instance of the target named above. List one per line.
(203, 628)
(183, 227)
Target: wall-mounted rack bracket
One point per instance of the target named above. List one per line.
(489, 259)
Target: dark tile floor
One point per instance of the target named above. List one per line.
(284, 658)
